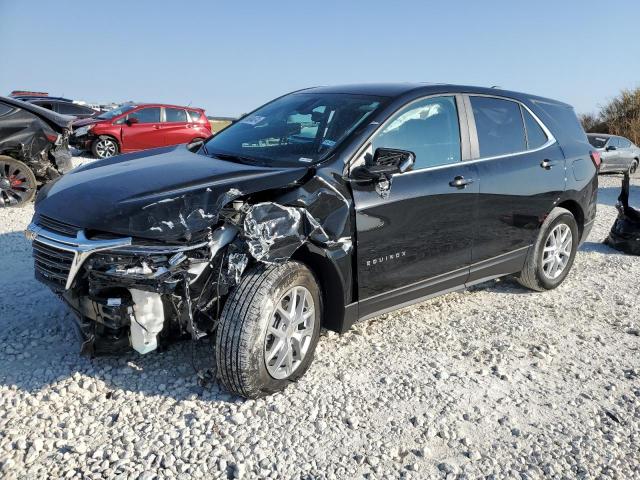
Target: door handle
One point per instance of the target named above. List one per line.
(547, 165)
(460, 182)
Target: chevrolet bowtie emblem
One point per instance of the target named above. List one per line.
(30, 235)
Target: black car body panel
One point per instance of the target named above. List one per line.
(35, 136)
(373, 245)
(161, 194)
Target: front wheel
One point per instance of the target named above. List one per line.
(18, 183)
(634, 167)
(268, 329)
(550, 259)
(104, 147)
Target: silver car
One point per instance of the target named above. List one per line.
(618, 154)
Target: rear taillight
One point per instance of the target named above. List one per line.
(595, 158)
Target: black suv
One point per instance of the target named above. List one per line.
(61, 105)
(320, 208)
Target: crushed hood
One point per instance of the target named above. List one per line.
(162, 194)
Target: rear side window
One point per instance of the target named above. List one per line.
(624, 143)
(4, 109)
(535, 135)
(195, 116)
(175, 115)
(565, 118)
(429, 128)
(66, 108)
(146, 115)
(499, 126)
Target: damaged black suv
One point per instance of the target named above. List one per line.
(34, 149)
(320, 208)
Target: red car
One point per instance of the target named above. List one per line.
(133, 127)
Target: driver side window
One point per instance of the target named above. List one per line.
(429, 128)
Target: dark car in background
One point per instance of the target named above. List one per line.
(619, 154)
(33, 149)
(61, 105)
(132, 127)
(320, 208)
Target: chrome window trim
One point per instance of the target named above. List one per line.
(365, 145)
(468, 114)
(551, 140)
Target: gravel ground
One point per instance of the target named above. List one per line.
(495, 382)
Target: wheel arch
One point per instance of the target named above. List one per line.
(331, 284)
(112, 137)
(577, 212)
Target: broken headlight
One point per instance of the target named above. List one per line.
(82, 130)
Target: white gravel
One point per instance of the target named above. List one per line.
(496, 382)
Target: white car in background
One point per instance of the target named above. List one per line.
(618, 154)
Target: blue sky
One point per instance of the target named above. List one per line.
(230, 57)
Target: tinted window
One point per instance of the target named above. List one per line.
(428, 128)
(597, 142)
(564, 117)
(4, 109)
(624, 143)
(535, 135)
(175, 115)
(47, 105)
(146, 115)
(499, 125)
(614, 142)
(71, 109)
(195, 116)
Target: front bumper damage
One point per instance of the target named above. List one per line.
(127, 292)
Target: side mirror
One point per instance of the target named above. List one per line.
(195, 145)
(385, 162)
(132, 121)
(611, 148)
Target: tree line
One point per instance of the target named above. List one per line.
(620, 116)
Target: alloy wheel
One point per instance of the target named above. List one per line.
(17, 183)
(106, 148)
(289, 332)
(557, 251)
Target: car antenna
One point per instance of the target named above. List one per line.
(496, 86)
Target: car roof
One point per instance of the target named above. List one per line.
(162, 105)
(30, 98)
(62, 121)
(400, 89)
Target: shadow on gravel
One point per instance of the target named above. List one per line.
(609, 195)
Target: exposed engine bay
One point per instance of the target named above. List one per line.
(128, 292)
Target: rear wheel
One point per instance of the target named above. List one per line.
(549, 261)
(268, 329)
(18, 183)
(104, 147)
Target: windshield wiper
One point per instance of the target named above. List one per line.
(237, 158)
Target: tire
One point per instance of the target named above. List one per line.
(537, 273)
(634, 167)
(18, 184)
(244, 335)
(104, 147)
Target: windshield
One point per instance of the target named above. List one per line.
(115, 112)
(596, 141)
(297, 128)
